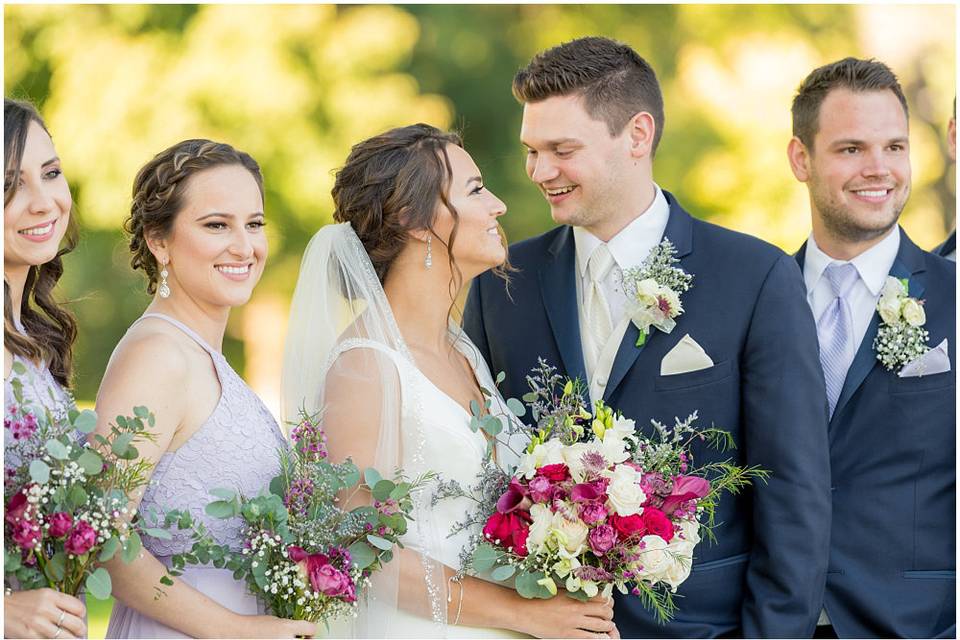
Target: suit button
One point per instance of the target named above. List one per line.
(602, 382)
(833, 488)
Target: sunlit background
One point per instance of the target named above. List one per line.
(296, 86)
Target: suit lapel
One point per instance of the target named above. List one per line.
(559, 290)
(679, 231)
(908, 264)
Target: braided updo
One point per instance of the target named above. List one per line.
(158, 192)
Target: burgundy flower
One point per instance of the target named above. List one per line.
(513, 498)
(508, 530)
(81, 539)
(17, 506)
(602, 539)
(685, 488)
(26, 533)
(554, 472)
(628, 526)
(60, 524)
(657, 523)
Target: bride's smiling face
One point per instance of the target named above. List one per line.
(478, 245)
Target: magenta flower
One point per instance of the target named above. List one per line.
(541, 489)
(17, 506)
(602, 539)
(60, 524)
(685, 488)
(26, 533)
(81, 539)
(513, 498)
(592, 512)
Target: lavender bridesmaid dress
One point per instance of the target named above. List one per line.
(235, 448)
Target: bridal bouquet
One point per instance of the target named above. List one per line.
(594, 504)
(304, 556)
(66, 502)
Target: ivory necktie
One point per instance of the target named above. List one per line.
(595, 302)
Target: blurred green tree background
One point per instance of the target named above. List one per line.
(297, 85)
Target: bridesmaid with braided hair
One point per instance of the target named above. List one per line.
(196, 230)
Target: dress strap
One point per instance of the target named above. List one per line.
(184, 328)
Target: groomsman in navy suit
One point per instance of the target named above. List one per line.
(949, 248)
(892, 425)
(743, 352)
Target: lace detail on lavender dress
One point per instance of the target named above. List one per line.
(235, 448)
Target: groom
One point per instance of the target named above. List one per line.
(743, 352)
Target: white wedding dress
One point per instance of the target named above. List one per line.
(346, 360)
(436, 435)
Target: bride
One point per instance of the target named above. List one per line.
(371, 344)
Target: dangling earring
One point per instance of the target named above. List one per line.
(164, 288)
(428, 261)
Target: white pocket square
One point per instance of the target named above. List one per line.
(686, 356)
(937, 360)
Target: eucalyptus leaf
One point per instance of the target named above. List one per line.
(11, 561)
(503, 572)
(278, 486)
(474, 408)
(530, 396)
(527, 585)
(57, 449)
(109, 549)
(491, 425)
(121, 443)
(39, 471)
(371, 477)
(401, 490)
(379, 542)
(516, 407)
(161, 534)
(501, 377)
(98, 584)
(85, 422)
(56, 566)
(352, 476)
(141, 412)
(131, 548)
(91, 462)
(381, 490)
(224, 494)
(361, 554)
(222, 509)
(485, 557)
(76, 497)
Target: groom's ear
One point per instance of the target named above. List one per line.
(799, 158)
(642, 129)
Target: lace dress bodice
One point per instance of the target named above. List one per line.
(235, 448)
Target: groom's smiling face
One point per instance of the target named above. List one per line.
(579, 167)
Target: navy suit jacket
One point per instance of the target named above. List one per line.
(893, 463)
(949, 245)
(747, 309)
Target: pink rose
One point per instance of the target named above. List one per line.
(26, 533)
(657, 523)
(602, 539)
(554, 472)
(17, 506)
(592, 512)
(81, 539)
(327, 579)
(508, 530)
(628, 526)
(60, 524)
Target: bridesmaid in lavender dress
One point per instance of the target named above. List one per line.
(38, 334)
(196, 226)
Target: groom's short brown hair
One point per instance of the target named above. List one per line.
(850, 73)
(613, 80)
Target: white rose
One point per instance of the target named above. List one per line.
(678, 571)
(540, 527)
(892, 288)
(624, 495)
(572, 535)
(647, 291)
(689, 533)
(889, 308)
(913, 313)
(654, 558)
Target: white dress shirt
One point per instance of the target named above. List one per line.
(629, 249)
(873, 266)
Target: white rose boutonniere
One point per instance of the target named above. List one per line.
(653, 291)
(901, 337)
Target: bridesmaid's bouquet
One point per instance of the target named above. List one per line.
(66, 501)
(594, 504)
(304, 556)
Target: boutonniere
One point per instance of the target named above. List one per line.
(653, 291)
(901, 337)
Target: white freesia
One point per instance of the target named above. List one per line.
(624, 495)
(889, 308)
(913, 312)
(549, 452)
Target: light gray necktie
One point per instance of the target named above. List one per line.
(835, 330)
(595, 301)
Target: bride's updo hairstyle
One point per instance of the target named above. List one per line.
(390, 185)
(159, 191)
